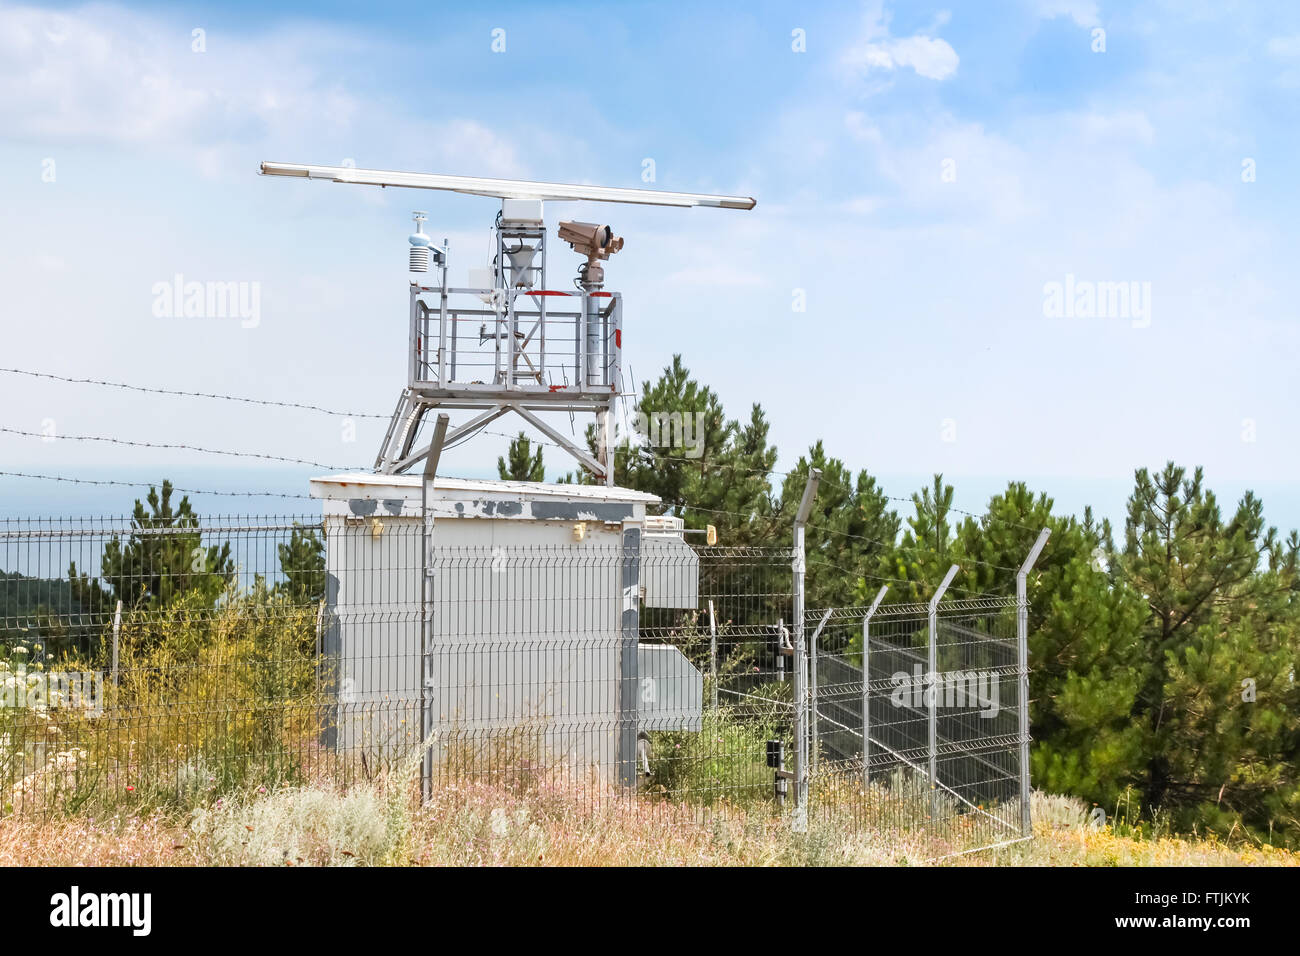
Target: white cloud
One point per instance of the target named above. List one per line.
(100, 75)
(929, 56)
(861, 128)
(1286, 47)
(1082, 12)
(1132, 125)
(932, 58)
(863, 205)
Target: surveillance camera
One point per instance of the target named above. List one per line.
(590, 239)
(594, 241)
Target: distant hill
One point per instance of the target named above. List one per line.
(22, 596)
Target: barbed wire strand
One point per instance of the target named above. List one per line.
(304, 406)
(174, 447)
(154, 390)
(152, 484)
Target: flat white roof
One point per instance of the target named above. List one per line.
(369, 485)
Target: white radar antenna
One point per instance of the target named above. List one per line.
(508, 342)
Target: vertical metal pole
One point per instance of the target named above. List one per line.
(815, 734)
(629, 680)
(800, 822)
(498, 294)
(713, 653)
(607, 445)
(932, 690)
(616, 362)
(578, 339)
(413, 360)
(866, 685)
(320, 642)
(541, 309)
(500, 285)
(780, 650)
(580, 344)
(512, 331)
(442, 320)
(426, 607)
(1022, 667)
(117, 631)
(455, 343)
(593, 340)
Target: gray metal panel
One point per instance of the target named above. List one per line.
(524, 642)
(672, 689)
(670, 572)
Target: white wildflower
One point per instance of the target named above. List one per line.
(500, 823)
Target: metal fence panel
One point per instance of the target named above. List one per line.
(162, 663)
(874, 714)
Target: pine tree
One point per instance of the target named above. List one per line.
(925, 551)
(683, 435)
(1216, 701)
(153, 569)
(706, 469)
(521, 462)
(302, 561)
(1083, 639)
(850, 531)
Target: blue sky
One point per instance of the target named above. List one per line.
(922, 171)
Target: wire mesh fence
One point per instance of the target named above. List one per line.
(922, 731)
(156, 661)
(163, 661)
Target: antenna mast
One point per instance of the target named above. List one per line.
(507, 342)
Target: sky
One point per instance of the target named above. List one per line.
(934, 181)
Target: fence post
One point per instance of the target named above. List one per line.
(713, 653)
(117, 630)
(932, 691)
(320, 644)
(866, 686)
(780, 649)
(816, 746)
(426, 607)
(630, 634)
(798, 565)
(1022, 667)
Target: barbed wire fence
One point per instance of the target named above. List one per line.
(650, 455)
(269, 649)
(172, 664)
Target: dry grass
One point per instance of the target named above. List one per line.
(132, 841)
(1104, 847)
(481, 825)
